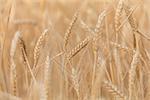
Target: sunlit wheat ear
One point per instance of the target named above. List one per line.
(78, 48)
(38, 46)
(98, 29)
(25, 58)
(99, 23)
(13, 71)
(69, 30)
(118, 14)
(114, 90)
(75, 81)
(47, 72)
(132, 73)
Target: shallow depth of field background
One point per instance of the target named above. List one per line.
(32, 17)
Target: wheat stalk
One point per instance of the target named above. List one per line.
(38, 46)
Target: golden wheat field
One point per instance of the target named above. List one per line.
(74, 50)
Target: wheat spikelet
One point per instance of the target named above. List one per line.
(47, 72)
(78, 48)
(132, 73)
(13, 73)
(114, 90)
(38, 46)
(68, 33)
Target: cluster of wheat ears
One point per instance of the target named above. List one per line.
(110, 61)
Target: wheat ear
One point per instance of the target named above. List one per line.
(38, 46)
(78, 48)
(47, 72)
(99, 23)
(117, 19)
(13, 71)
(75, 81)
(114, 90)
(69, 30)
(132, 73)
